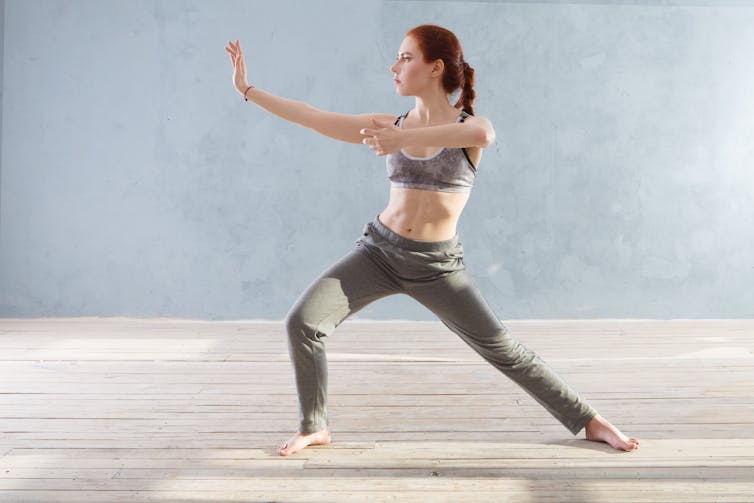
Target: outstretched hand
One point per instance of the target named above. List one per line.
(239, 66)
(385, 138)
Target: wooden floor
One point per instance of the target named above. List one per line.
(129, 410)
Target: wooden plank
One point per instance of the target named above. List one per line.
(330, 496)
(123, 410)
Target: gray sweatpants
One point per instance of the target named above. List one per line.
(384, 263)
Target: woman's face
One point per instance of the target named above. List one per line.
(410, 69)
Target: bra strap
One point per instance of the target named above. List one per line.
(400, 117)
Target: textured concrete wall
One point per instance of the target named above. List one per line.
(137, 182)
(2, 52)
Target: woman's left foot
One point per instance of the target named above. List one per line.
(301, 440)
(599, 429)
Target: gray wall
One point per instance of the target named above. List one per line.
(2, 53)
(137, 182)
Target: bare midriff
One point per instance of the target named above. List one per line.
(423, 215)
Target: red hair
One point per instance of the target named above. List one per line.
(437, 42)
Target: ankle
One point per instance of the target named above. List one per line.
(314, 432)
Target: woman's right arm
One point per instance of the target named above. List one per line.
(290, 110)
(343, 127)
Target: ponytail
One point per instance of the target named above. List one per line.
(468, 94)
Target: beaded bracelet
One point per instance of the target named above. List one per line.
(246, 91)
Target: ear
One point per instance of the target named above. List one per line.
(438, 67)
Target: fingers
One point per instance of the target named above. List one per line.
(234, 47)
(236, 53)
(374, 147)
(232, 55)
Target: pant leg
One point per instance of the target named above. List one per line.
(461, 307)
(342, 289)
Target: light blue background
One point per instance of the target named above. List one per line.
(135, 181)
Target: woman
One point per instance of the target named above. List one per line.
(412, 246)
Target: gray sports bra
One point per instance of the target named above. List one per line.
(448, 170)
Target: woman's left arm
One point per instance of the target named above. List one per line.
(385, 137)
(475, 131)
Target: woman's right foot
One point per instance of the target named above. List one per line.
(600, 429)
(301, 440)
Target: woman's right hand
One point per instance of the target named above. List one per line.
(239, 66)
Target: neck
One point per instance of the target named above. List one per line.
(434, 109)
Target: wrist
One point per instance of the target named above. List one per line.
(404, 138)
(245, 91)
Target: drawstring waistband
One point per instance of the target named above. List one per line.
(410, 244)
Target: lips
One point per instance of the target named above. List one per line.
(396, 81)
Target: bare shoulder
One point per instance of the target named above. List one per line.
(484, 123)
(475, 153)
(478, 119)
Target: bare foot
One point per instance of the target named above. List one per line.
(599, 429)
(301, 440)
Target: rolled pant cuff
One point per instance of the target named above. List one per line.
(580, 425)
(312, 428)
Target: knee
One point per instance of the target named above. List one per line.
(510, 351)
(503, 330)
(295, 323)
(300, 324)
